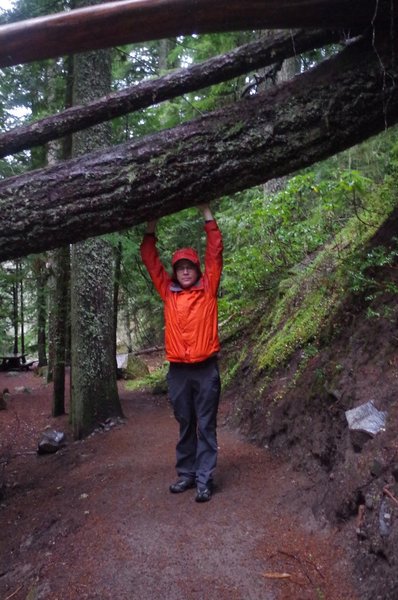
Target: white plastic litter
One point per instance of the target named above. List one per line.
(122, 361)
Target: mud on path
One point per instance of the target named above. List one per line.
(96, 519)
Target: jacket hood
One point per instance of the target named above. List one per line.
(186, 254)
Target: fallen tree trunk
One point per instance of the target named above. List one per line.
(148, 350)
(342, 102)
(215, 70)
(114, 23)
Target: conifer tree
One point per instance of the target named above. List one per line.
(94, 394)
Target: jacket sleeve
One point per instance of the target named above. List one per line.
(213, 256)
(150, 257)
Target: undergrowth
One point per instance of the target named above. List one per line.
(153, 382)
(299, 315)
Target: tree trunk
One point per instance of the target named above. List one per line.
(340, 103)
(126, 323)
(94, 391)
(61, 261)
(15, 309)
(61, 269)
(51, 308)
(116, 290)
(41, 277)
(22, 309)
(116, 23)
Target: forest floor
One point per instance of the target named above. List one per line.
(96, 520)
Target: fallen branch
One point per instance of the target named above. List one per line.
(14, 593)
(149, 350)
(215, 70)
(228, 319)
(387, 492)
(360, 516)
(277, 575)
(123, 22)
(300, 561)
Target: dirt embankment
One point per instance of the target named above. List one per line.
(354, 475)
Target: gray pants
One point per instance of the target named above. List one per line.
(194, 391)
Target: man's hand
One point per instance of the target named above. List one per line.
(206, 212)
(151, 226)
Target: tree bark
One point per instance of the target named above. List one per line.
(41, 278)
(340, 103)
(216, 70)
(59, 299)
(51, 318)
(22, 309)
(15, 309)
(125, 22)
(61, 262)
(53, 157)
(94, 395)
(118, 252)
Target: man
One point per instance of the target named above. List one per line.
(192, 344)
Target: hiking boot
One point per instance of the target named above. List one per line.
(182, 485)
(203, 493)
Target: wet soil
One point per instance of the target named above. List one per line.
(96, 519)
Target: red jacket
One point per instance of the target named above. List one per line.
(191, 319)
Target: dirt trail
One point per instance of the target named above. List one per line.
(96, 520)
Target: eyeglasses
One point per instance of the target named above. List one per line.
(185, 268)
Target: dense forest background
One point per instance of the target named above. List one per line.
(286, 226)
(307, 302)
(315, 221)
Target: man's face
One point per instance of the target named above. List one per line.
(186, 273)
